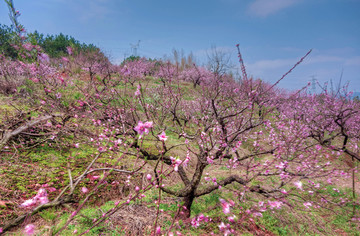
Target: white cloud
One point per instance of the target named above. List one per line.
(264, 8)
(354, 61)
(324, 67)
(323, 59)
(270, 64)
(269, 70)
(87, 10)
(346, 61)
(94, 9)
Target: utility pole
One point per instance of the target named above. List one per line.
(134, 48)
(313, 87)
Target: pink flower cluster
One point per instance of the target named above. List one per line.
(69, 50)
(84, 189)
(138, 92)
(298, 185)
(275, 204)
(225, 206)
(40, 198)
(175, 162)
(307, 205)
(197, 220)
(163, 136)
(29, 229)
(142, 128)
(225, 228)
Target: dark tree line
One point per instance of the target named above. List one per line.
(53, 45)
(6, 39)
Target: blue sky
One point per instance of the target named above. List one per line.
(273, 34)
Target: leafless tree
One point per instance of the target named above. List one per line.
(219, 61)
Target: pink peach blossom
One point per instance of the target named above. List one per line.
(29, 229)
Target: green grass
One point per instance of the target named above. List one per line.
(49, 215)
(271, 223)
(203, 203)
(84, 220)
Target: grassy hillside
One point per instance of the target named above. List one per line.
(94, 117)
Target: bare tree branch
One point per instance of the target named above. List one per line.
(8, 134)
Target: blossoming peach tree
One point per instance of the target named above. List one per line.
(265, 153)
(264, 148)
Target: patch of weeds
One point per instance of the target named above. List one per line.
(333, 191)
(48, 215)
(151, 196)
(343, 221)
(223, 168)
(273, 224)
(84, 220)
(172, 208)
(151, 148)
(34, 114)
(62, 221)
(203, 203)
(79, 224)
